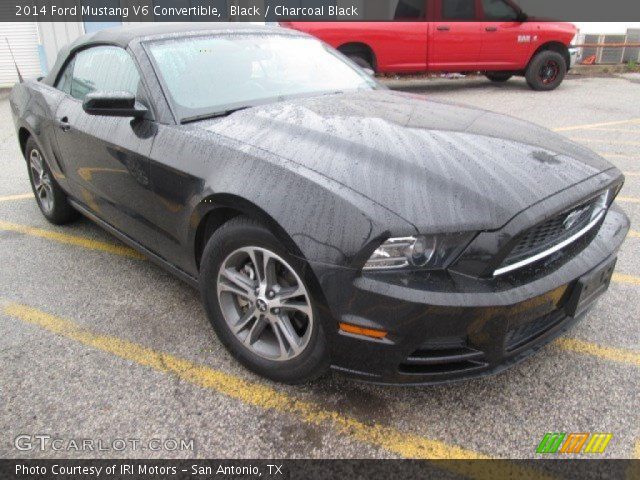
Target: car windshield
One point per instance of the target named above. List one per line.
(213, 75)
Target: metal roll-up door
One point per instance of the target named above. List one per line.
(23, 38)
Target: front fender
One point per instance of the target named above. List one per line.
(326, 221)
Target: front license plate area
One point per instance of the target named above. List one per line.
(588, 288)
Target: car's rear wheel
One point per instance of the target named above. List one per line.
(50, 197)
(546, 70)
(259, 304)
(498, 77)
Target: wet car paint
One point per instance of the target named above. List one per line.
(333, 176)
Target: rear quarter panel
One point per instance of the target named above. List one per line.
(33, 105)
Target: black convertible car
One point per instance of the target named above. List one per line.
(327, 221)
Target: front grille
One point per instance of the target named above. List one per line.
(554, 231)
(439, 359)
(524, 334)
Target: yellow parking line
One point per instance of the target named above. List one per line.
(22, 196)
(617, 355)
(631, 174)
(622, 278)
(594, 125)
(623, 130)
(598, 140)
(258, 395)
(628, 199)
(634, 234)
(633, 470)
(72, 240)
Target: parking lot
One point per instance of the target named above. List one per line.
(99, 343)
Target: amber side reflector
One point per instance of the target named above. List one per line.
(367, 332)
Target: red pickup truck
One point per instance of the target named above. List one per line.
(491, 36)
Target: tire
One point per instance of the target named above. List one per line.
(361, 62)
(258, 341)
(546, 70)
(50, 197)
(498, 77)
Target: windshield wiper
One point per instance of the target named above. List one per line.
(205, 116)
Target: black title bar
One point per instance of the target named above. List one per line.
(294, 10)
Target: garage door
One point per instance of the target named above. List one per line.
(23, 38)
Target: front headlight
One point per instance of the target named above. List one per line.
(428, 252)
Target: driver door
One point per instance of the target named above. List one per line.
(105, 158)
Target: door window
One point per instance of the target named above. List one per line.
(64, 81)
(498, 10)
(103, 69)
(409, 9)
(458, 9)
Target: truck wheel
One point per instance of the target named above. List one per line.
(546, 70)
(50, 197)
(361, 62)
(498, 77)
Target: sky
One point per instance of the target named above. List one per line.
(606, 27)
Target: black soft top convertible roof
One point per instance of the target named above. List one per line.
(123, 36)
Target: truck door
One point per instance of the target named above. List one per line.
(401, 45)
(455, 36)
(507, 41)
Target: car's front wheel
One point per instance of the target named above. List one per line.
(50, 197)
(259, 304)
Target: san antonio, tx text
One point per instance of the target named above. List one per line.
(142, 469)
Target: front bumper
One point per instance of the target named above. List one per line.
(573, 56)
(444, 327)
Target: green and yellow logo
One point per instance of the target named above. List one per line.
(574, 443)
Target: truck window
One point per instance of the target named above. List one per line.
(498, 10)
(409, 9)
(458, 9)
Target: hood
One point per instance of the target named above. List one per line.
(439, 166)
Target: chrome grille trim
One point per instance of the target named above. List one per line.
(552, 250)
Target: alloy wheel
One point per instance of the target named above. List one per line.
(549, 72)
(265, 303)
(41, 181)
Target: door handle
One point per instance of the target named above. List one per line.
(64, 124)
(491, 29)
(442, 28)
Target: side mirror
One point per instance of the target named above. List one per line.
(522, 17)
(113, 104)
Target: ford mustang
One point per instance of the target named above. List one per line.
(327, 221)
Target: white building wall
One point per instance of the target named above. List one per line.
(55, 35)
(23, 39)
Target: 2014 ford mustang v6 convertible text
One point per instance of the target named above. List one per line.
(327, 221)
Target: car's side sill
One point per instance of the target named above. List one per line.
(182, 275)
